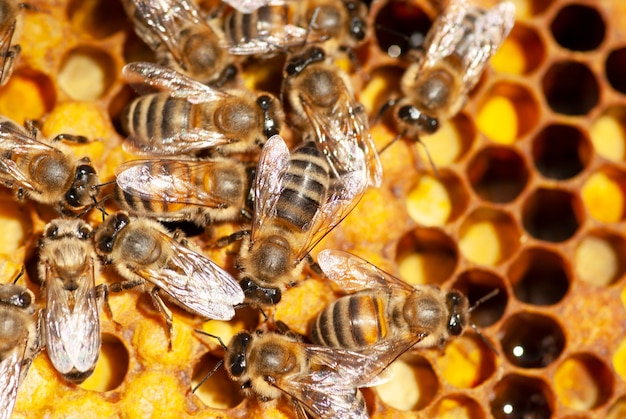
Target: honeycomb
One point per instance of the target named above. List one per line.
(530, 199)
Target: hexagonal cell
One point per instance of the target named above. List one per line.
(489, 236)
(97, 18)
(619, 359)
(552, 215)
(583, 382)
(561, 151)
(86, 73)
(459, 406)
(467, 361)
(598, 258)
(15, 224)
(608, 133)
(531, 8)
(497, 174)
(111, 367)
(539, 276)
(381, 85)
(571, 88)
(401, 27)
(522, 52)
(450, 143)
(478, 285)
(36, 90)
(531, 340)
(618, 409)
(507, 112)
(426, 256)
(413, 385)
(567, 24)
(134, 49)
(435, 201)
(518, 396)
(218, 390)
(615, 69)
(604, 194)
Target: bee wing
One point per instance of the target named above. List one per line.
(249, 6)
(273, 164)
(188, 142)
(343, 135)
(10, 377)
(289, 36)
(196, 282)
(72, 334)
(6, 54)
(170, 183)
(147, 77)
(472, 34)
(352, 274)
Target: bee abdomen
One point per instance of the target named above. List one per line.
(156, 116)
(351, 322)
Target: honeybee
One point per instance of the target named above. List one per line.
(188, 117)
(181, 38)
(457, 49)
(143, 252)
(8, 52)
(320, 381)
(19, 342)
(383, 307)
(324, 107)
(71, 322)
(201, 191)
(45, 170)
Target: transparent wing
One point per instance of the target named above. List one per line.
(6, 54)
(10, 372)
(147, 77)
(273, 164)
(196, 282)
(288, 36)
(351, 273)
(249, 6)
(471, 34)
(72, 328)
(167, 181)
(188, 142)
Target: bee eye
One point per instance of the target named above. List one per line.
(24, 299)
(455, 325)
(264, 102)
(237, 360)
(106, 245)
(357, 28)
(292, 68)
(72, 197)
(317, 54)
(84, 232)
(51, 232)
(121, 220)
(84, 170)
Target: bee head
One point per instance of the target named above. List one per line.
(105, 238)
(458, 308)
(236, 355)
(260, 295)
(412, 116)
(83, 188)
(272, 117)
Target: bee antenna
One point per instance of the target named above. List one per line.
(484, 339)
(265, 316)
(208, 375)
(19, 275)
(103, 184)
(219, 339)
(483, 299)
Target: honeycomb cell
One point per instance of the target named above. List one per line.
(457, 406)
(608, 133)
(604, 194)
(531, 8)
(539, 276)
(517, 396)
(507, 112)
(488, 236)
(134, 49)
(450, 143)
(531, 340)
(217, 390)
(618, 409)
(413, 385)
(478, 285)
(86, 73)
(616, 68)
(578, 28)
(111, 367)
(435, 201)
(570, 88)
(497, 174)
(97, 18)
(598, 258)
(552, 215)
(583, 382)
(468, 361)
(401, 27)
(15, 224)
(378, 90)
(426, 256)
(36, 91)
(619, 360)
(521, 53)
(561, 151)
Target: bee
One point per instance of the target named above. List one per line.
(45, 170)
(201, 191)
(457, 49)
(67, 269)
(324, 107)
(188, 117)
(8, 52)
(296, 204)
(144, 252)
(19, 341)
(383, 307)
(320, 381)
(181, 38)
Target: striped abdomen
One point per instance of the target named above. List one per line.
(352, 322)
(241, 28)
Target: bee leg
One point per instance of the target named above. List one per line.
(225, 241)
(165, 312)
(102, 291)
(78, 139)
(226, 76)
(9, 60)
(383, 109)
(315, 267)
